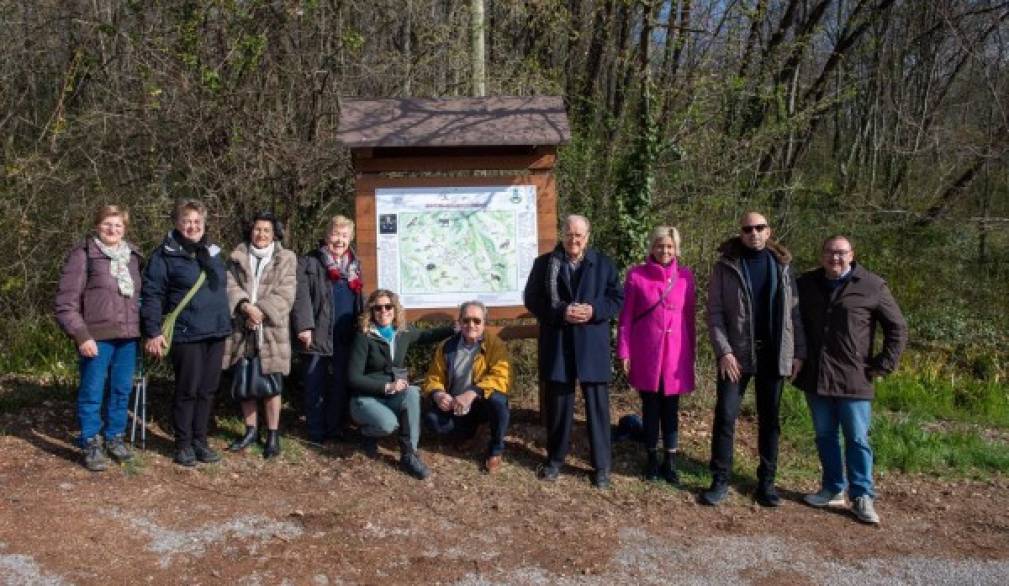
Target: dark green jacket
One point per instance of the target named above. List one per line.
(371, 361)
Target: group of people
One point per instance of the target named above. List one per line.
(249, 312)
(765, 325)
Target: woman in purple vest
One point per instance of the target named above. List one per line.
(656, 343)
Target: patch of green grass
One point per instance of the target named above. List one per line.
(903, 443)
(291, 450)
(35, 345)
(949, 398)
(136, 465)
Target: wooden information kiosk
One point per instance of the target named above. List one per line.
(432, 173)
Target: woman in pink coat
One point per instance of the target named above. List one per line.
(655, 343)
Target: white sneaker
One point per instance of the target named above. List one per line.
(864, 511)
(825, 498)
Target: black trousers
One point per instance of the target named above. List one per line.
(197, 367)
(658, 410)
(768, 397)
(560, 399)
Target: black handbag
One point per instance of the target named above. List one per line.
(248, 381)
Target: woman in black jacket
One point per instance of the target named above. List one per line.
(196, 344)
(326, 309)
(383, 399)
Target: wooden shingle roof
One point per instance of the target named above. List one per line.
(453, 122)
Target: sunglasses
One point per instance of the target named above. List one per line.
(383, 307)
(472, 320)
(754, 228)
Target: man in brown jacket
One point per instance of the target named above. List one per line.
(756, 333)
(841, 304)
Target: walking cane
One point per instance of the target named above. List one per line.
(139, 406)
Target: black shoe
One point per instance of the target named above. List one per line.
(272, 448)
(767, 496)
(548, 473)
(668, 470)
(205, 453)
(185, 457)
(715, 494)
(370, 446)
(601, 479)
(411, 463)
(94, 455)
(652, 467)
(245, 441)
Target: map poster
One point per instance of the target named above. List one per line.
(440, 246)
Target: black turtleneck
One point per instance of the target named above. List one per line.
(757, 266)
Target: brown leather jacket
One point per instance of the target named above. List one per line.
(840, 328)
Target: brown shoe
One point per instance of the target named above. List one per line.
(492, 464)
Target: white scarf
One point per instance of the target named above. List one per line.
(119, 264)
(258, 259)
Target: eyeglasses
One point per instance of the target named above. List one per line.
(472, 320)
(753, 228)
(836, 253)
(383, 307)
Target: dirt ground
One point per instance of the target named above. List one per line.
(329, 515)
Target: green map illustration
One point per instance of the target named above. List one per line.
(457, 251)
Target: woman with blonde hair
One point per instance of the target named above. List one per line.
(656, 342)
(97, 305)
(326, 311)
(383, 400)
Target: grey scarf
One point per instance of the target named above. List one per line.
(119, 256)
(552, 277)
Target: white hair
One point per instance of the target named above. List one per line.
(572, 218)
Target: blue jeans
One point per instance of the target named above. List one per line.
(385, 415)
(853, 417)
(326, 397)
(96, 411)
(493, 410)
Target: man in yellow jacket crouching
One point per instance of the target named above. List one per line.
(468, 382)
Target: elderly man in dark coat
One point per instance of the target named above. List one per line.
(574, 293)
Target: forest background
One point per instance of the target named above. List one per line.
(887, 120)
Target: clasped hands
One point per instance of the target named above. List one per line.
(578, 313)
(253, 315)
(459, 405)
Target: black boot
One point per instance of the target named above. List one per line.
(245, 441)
(766, 495)
(652, 467)
(410, 462)
(272, 448)
(669, 468)
(409, 459)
